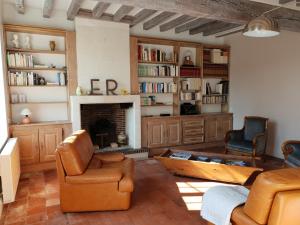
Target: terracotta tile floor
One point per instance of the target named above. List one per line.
(159, 198)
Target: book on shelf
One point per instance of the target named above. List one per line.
(181, 155)
(19, 60)
(154, 55)
(158, 71)
(157, 87)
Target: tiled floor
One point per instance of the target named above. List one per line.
(159, 198)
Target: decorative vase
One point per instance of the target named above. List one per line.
(52, 45)
(26, 120)
(122, 139)
(78, 91)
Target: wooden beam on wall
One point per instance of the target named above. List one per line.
(48, 8)
(176, 22)
(191, 25)
(285, 1)
(157, 20)
(20, 6)
(73, 9)
(121, 12)
(99, 9)
(142, 15)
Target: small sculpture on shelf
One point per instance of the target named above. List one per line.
(122, 139)
(52, 45)
(15, 41)
(188, 59)
(27, 43)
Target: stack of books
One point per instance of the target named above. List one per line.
(19, 60)
(160, 87)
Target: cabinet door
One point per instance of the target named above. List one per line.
(225, 124)
(28, 140)
(49, 138)
(211, 129)
(173, 132)
(156, 133)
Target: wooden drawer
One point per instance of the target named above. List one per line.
(193, 123)
(193, 131)
(193, 140)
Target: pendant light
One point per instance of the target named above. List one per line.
(262, 26)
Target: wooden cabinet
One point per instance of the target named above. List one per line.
(171, 131)
(28, 142)
(49, 138)
(162, 132)
(216, 127)
(37, 143)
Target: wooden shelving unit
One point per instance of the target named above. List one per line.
(35, 69)
(36, 51)
(202, 61)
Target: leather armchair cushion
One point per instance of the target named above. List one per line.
(253, 127)
(110, 156)
(240, 145)
(238, 217)
(76, 152)
(96, 176)
(264, 189)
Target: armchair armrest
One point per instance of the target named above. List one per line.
(234, 134)
(259, 143)
(287, 147)
(96, 176)
(110, 156)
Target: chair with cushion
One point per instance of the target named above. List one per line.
(251, 140)
(274, 199)
(92, 182)
(291, 152)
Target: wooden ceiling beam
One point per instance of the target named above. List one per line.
(20, 6)
(176, 22)
(219, 28)
(73, 9)
(157, 20)
(229, 32)
(99, 9)
(191, 25)
(298, 3)
(121, 12)
(285, 1)
(48, 8)
(142, 15)
(85, 13)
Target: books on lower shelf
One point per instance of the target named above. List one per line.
(33, 79)
(158, 71)
(19, 60)
(158, 87)
(181, 155)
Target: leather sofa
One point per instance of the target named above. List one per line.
(92, 182)
(274, 199)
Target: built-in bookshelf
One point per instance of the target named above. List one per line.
(170, 75)
(37, 73)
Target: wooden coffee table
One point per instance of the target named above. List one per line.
(208, 170)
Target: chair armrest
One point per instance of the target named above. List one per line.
(234, 135)
(259, 143)
(110, 156)
(96, 176)
(127, 182)
(287, 147)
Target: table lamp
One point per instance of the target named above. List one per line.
(26, 113)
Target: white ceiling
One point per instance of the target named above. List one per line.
(89, 4)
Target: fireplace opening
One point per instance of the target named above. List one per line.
(106, 123)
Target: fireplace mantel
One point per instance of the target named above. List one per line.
(133, 116)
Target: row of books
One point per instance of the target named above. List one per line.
(19, 60)
(191, 84)
(154, 55)
(158, 87)
(158, 71)
(33, 79)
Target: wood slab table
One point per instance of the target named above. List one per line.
(209, 170)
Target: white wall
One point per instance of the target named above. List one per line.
(265, 81)
(103, 52)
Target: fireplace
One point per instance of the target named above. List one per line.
(104, 122)
(105, 117)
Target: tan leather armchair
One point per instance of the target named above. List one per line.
(92, 182)
(274, 199)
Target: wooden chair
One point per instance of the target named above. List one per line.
(291, 152)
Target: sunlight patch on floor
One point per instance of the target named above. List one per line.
(193, 203)
(197, 187)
